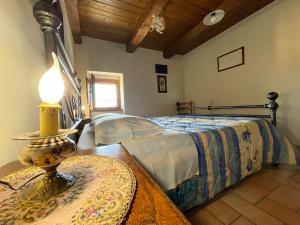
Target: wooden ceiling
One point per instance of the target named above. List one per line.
(128, 21)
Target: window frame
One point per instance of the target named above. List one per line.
(107, 81)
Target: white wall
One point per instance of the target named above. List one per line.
(22, 63)
(140, 81)
(272, 49)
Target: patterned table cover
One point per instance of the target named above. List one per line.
(102, 194)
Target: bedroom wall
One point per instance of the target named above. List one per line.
(272, 51)
(140, 81)
(22, 63)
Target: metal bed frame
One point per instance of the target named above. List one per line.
(189, 108)
(49, 16)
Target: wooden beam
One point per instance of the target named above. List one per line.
(73, 16)
(190, 36)
(154, 8)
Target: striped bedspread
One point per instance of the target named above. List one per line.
(229, 149)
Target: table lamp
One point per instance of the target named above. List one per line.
(51, 90)
(50, 145)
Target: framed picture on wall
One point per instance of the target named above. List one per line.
(162, 84)
(231, 59)
(161, 69)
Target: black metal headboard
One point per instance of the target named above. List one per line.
(48, 14)
(189, 108)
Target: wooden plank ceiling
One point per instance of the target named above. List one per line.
(128, 21)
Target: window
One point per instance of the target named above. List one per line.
(106, 94)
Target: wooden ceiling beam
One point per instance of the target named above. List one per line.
(155, 8)
(231, 19)
(73, 16)
(226, 5)
(201, 33)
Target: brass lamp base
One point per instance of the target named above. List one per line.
(47, 153)
(51, 184)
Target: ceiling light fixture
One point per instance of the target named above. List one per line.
(213, 17)
(158, 24)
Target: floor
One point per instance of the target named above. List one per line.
(269, 197)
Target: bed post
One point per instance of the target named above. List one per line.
(49, 16)
(177, 108)
(273, 106)
(49, 19)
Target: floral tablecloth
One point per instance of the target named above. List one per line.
(102, 194)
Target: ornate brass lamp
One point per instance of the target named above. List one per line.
(50, 145)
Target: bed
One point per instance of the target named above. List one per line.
(193, 157)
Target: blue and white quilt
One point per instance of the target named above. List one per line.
(198, 157)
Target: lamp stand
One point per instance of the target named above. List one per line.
(51, 184)
(47, 153)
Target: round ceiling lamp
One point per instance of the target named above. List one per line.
(213, 17)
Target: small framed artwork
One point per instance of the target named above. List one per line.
(162, 84)
(161, 69)
(231, 59)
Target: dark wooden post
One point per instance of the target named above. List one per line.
(273, 106)
(177, 108)
(49, 18)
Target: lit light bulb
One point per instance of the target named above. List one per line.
(51, 86)
(213, 18)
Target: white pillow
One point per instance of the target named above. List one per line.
(99, 116)
(115, 128)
